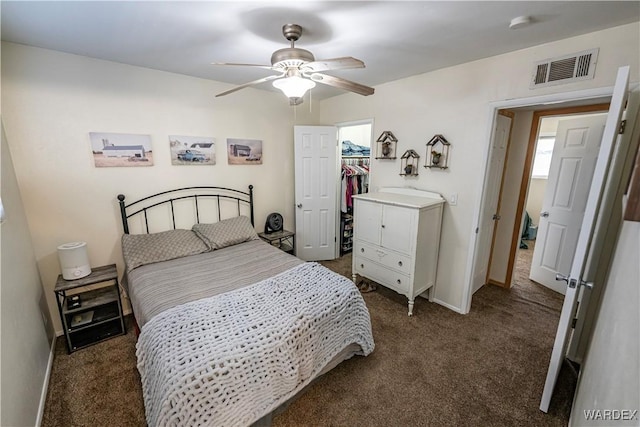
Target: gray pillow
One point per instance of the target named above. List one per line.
(142, 249)
(226, 232)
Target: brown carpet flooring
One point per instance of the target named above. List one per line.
(437, 368)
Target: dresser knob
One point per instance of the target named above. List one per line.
(399, 281)
(400, 263)
(382, 225)
(361, 265)
(361, 249)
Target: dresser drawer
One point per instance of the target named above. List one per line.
(381, 274)
(382, 256)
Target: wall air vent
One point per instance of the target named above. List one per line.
(565, 69)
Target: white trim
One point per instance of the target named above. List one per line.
(447, 305)
(554, 98)
(45, 384)
(355, 123)
(494, 106)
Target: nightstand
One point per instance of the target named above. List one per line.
(283, 239)
(90, 307)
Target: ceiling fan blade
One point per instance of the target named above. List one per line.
(342, 84)
(332, 64)
(266, 67)
(255, 82)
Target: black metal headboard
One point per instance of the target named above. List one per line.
(139, 207)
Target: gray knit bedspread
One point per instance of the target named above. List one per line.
(230, 359)
(154, 288)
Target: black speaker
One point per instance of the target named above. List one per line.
(274, 223)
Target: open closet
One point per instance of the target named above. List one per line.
(355, 154)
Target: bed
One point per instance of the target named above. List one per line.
(231, 328)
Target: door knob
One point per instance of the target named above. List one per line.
(496, 217)
(562, 277)
(588, 285)
(544, 214)
(299, 205)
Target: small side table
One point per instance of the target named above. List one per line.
(99, 313)
(284, 239)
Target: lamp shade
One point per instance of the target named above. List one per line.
(74, 260)
(294, 86)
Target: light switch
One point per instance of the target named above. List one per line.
(453, 199)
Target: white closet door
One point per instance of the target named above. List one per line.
(316, 168)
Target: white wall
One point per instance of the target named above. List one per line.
(358, 134)
(535, 197)
(455, 102)
(52, 100)
(610, 376)
(25, 344)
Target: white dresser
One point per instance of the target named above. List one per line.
(396, 239)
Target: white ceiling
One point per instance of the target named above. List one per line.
(395, 39)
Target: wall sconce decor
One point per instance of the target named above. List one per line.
(409, 162)
(437, 153)
(386, 145)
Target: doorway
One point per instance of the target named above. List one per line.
(600, 222)
(354, 143)
(521, 211)
(320, 193)
(574, 155)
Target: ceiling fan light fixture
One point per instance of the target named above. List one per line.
(294, 86)
(298, 71)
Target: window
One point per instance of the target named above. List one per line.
(542, 159)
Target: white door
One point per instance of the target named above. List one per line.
(588, 232)
(572, 164)
(316, 169)
(489, 212)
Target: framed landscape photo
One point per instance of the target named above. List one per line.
(244, 151)
(121, 149)
(192, 150)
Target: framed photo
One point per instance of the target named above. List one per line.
(192, 150)
(244, 151)
(121, 149)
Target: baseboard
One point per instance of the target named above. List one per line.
(449, 306)
(496, 283)
(45, 384)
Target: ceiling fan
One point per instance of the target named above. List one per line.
(299, 71)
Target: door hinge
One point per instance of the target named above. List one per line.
(623, 125)
(574, 322)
